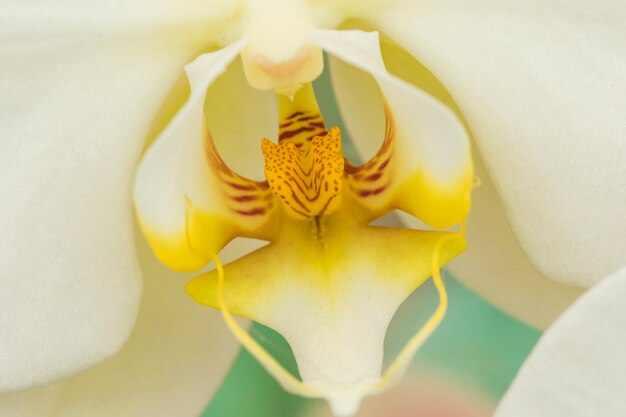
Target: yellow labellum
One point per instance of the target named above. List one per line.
(343, 402)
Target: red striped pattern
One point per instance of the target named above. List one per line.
(308, 179)
(244, 198)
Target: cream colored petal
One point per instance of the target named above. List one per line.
(175, 359)
(430, 154)
(577, 368)
(496, 268)
(541, 86)
(188, 201)
(80, 85)
(172, 364)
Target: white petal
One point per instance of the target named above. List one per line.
(239, 117)
(185, 195)
(173, 362)
(541, 85)
(77, 102)
(577, 368)
(496, 268)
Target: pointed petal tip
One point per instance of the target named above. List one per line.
(198, 289)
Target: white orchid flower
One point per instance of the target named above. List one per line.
(540, 86)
